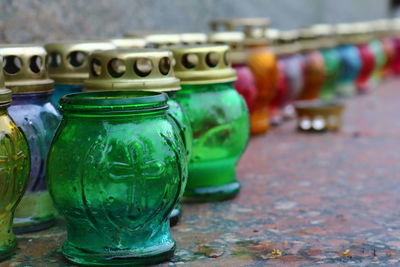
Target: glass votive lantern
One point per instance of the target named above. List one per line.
(360, 38)
(14, 171)
(376, 46)
(151, 71)
(128, 172)
(291, 72)
(245, 84)
(314, 72)
(25, 74)
(327, 43)
(350, 61)
(219, 120)
(262, 63)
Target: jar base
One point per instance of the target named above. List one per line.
(32, 226)
(7, 252)
(175, 215)
(130, 258)
(212, 194)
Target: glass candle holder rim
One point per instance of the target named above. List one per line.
(114, 101)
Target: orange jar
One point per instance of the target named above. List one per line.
(313, 68)
(262, 63)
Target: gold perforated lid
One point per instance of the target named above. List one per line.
(132, 69)
(253, 28)
(235, 40)
(157, 40)
(68, 61)
(5, 94)
(203, 64)
(308, 40)
(24, 69)
(129, 42)
(286, 43)
(193, 38)
(325, 34)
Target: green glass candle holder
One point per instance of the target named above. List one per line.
(14, 172)
(219, 121)
(128, 172)
(141, 70)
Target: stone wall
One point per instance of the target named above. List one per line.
(44, 20)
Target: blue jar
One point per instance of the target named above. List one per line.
(350, 68)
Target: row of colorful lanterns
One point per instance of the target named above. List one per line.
(155, 124)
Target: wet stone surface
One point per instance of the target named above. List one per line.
(307, 200)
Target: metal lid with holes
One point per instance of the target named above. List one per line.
(203, 64)
(132, 69)
(308, 41)
(129, 42)
(286, 43)
(157, 40)
(193, 38)
(5, 96)
(237, 54)
(325, 34)
(24, 69)
(253, 28)
(68, 61)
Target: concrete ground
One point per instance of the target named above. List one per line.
(307, 200)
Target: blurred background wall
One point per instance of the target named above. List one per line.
(44, 20)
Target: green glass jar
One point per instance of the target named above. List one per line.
(141, 70)
(68, 65)
(25, 74)
(128, 171)
(14, 172)
(219, 120)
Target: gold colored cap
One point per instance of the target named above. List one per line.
(232, 24)
(5, 96)
(308, 40)
(380, 28)
(354, 33)
(129, 42)
(157, 40)
(203, 64)
(325, 33)
(24, 69)
(235, 40)
(132, 70)
(287, 43)
(229, 38)
(193, 38)
(68, 61)
(253, 28)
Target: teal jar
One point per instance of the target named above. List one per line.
(68, 65)
(128, 173)
(219, 121)
(26, 75)
(14, 172)
(142, 70)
